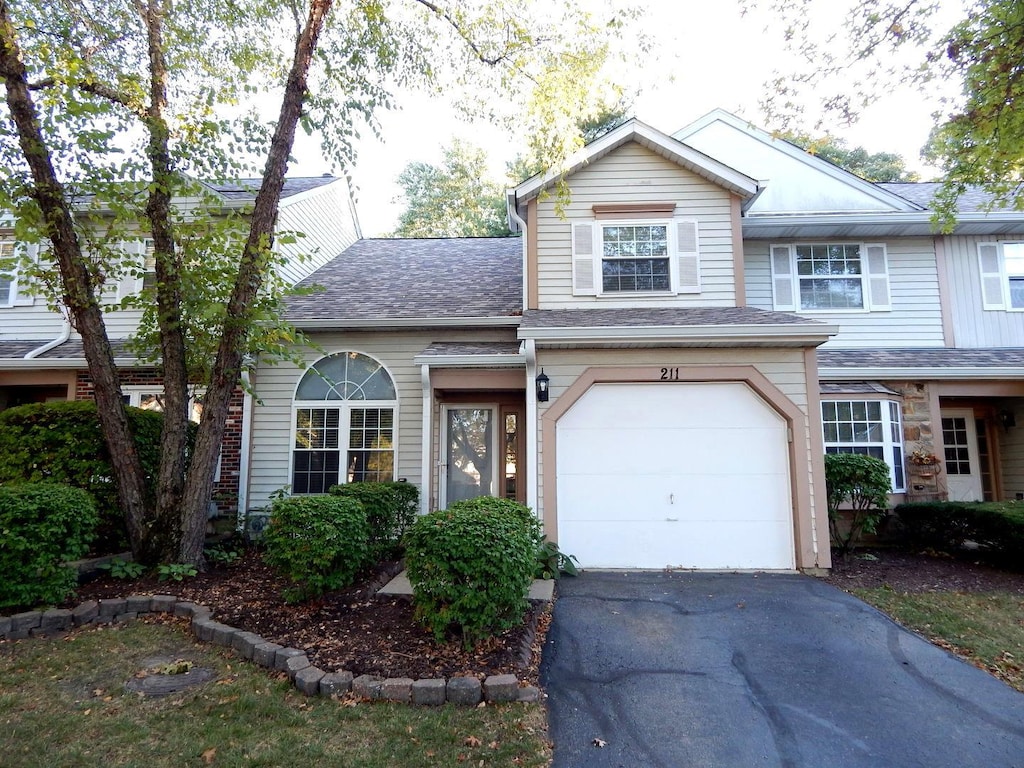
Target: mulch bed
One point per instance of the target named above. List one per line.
(906, 571)
(345, 630)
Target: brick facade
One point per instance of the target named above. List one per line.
(225, 490)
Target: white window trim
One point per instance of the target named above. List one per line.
(671, 224)
(791, 303)
(889, 443)
(16, 294)
(1002, 302)
(134, 393)
(344, 422)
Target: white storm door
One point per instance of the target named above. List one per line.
(469, 448)
(962, 465)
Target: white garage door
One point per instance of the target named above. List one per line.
(689, 475)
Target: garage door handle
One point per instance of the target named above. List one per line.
(671, 519)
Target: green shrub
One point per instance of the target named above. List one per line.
(390, 509)
(42, 526)
(471, 566)
(998, 527)
(858, 494)
(62, 443)
(320, 543)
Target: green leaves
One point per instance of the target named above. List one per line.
(858, 490)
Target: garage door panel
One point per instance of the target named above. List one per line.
(617, 545)
(694, 475)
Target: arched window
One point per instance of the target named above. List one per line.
(344, 418)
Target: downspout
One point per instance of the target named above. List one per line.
(529, 351)
(425, 441)
(518, 224)
(64, 335)
(248, 407)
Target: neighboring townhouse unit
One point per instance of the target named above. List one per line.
(658, 365)
(41, 356)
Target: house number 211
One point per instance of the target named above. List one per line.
(670, 374)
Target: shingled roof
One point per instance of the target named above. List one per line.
(936, 357)
(246, 189)
(659, 316)
(380, 279)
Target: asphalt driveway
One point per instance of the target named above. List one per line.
(706, 670)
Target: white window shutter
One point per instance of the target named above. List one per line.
(878, 298)
(583, 283)
(23, 294)
(131, 282)
(687, 257)
(783, 279)
(992, 279)
(6, 288)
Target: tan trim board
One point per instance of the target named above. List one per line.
(738, 265)
(946, 311)
(532, 277)
(41, 378)
(631, 210)
(978, 388)
(795, 419)
(460, 378)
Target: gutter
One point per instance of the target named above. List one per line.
(51, 363)
(931, 374)
(64, 335)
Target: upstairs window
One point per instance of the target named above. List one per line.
(612, 257)
(1002, 275)
(344, 424)
(8, 274)
(868, 427)
(830, 277)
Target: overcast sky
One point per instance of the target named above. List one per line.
(710, 56)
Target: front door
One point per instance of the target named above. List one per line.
(468, 468)
(962, 463)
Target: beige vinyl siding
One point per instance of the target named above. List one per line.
(29, 323)
(272, 427)
(783, 367)
(634, 174)
(973, 326)
(325, 216)
(915, 319)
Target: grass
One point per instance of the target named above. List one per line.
(63, 703)
(986, 628)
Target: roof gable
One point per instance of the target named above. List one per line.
(794, 181)
(634, 131)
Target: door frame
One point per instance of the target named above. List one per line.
(973, 452)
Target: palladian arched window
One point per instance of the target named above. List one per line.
(345, 408)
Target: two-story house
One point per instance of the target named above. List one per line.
(659, 363)
(41, 356)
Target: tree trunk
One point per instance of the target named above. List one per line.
(173, 440)
(78, 290)
(227, 366)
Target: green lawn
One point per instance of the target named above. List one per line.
(987, 628)
(63, 703)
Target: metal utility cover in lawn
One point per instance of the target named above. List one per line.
(688, 475)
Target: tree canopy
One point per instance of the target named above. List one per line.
(117, 109)
(871, 166)
(870, 48)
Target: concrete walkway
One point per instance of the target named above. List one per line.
(541, 589)
(674, 670)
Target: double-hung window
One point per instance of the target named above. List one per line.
(868, 427)
(830, 277)
(345, 407)
(8, 280)
(638, 256)
(1002, 275)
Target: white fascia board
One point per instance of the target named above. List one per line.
(308, 193)
(329, 323)
(653, 139)
(471, 361)
(52, 363)
(919, 223)
(687, 333)
(920, 374)
(795, 152)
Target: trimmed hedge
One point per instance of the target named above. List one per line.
(858, 494)
(319, 542)
(390, 509)
(997, 526)
(63, 443)
(471, 566)
(42, 527)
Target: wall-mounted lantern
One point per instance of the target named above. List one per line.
(542, 387)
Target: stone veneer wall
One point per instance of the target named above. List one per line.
(921, 430)
(225, 491)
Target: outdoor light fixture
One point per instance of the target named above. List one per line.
(1007, 418)
(542, 387)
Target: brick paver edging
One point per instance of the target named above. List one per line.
(311, 680)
